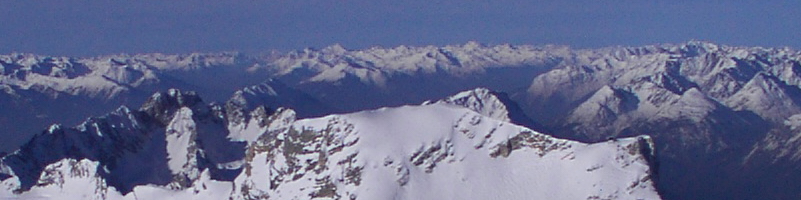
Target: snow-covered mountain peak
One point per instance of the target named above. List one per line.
(265, 108)
(699, 95)
(468, 46)
(496, 105)
(481, 100)
(21, 66)
(692, 105)
(473, 45)
(696, 48)
(168, 141)
(334, 49)
(106, 138)
(274, 94)
(431, 145)
(375, 65)
(603, 106)
(768, 97)
(409, 152)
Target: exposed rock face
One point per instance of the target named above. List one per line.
(178, 146)
(692, 98)
(169, 140)
(725, 104)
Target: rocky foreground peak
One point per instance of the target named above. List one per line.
(169, 147)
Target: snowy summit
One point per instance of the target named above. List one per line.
(450, 149)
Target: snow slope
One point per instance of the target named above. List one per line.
(48, 89)
(725, 104)
(708, 106)
(432, 151)
(440, 151)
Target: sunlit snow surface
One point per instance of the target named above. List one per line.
(435, 151)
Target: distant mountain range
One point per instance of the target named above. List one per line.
(723, 119)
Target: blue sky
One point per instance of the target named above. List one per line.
(84, 28)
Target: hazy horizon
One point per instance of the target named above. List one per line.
(88, 28)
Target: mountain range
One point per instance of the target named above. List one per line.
(723, 119)
(464, 147)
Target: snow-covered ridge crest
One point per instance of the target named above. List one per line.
(651, 78)
(407, 152)
(376, 65)
(496, 105)
(108, 76)
(438, 144)
(695, 98)
(102, 77)
(694, 94)
(481, 100)
(168, 140)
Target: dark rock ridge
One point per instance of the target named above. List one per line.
(130, 144)
(175, 142)
(713, 110)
